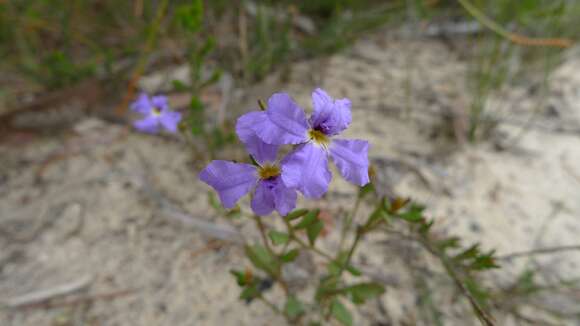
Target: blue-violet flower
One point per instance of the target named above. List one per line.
(234, 180)
(156, 113)
(306, 168)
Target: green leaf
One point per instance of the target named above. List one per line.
(414, 214)
(334, 266)
(293, 307)
(480, 294)
(179, 86)
(278, 238)
(290, 255)
(328, 286)
(308, 219)
(213, 201)
(468, 253)
(484, 261)
(452, 242)
(378, 214)
(313, 230)
(365, 190)
(364, 291)
(250, 293)
(215, 76)
(190, 16)
(262, 259)
(240, 277)
(296, 214)
(425, 227)
(235, 212)
(340, 313)
(195, 117)
(353, 271)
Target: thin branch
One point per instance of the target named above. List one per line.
(303, 244)
(47, 294)
(515, 38)
(79, 300)
(541, 251)
(262, 229)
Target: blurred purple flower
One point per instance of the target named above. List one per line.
(156, 113)
(234, 180)
(306, 169)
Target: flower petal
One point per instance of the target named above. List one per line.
(263, 202)
(284, 122)
(231, 180)
(307, 169)
(142, 105)
(149, 125)
(351, 158)
(330, 116)
(261, 151)
(160, 102)
(170, 120)
(284, 198)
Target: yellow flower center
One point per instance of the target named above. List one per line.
(268, 171)
(156, 112)
(319, 137)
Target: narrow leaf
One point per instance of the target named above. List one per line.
(262, 259)
(293, 307)
(364, 291)
(290, 255)
(278, 238)
(340, 313)
(313, 230)
(308, 219)
(296, 214)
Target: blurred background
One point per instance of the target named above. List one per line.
(472, 107)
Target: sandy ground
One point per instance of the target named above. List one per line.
(123, 220)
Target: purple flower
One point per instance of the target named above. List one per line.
(234, 180)
(306, 169)
(156, 113)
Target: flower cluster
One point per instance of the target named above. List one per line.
(304, 169)
(156, 113)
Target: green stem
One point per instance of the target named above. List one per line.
(277, 276)
(348, 223)
(270, 304)
(512, 37)
(262, 230)
(303, 244)
(484, 20)
(359, 233)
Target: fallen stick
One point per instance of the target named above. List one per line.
(47, 294)
(217, 231)
(79, 300)
(541, 251)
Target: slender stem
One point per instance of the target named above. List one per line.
(515, 38)
(262, 229)
(154, 29)
(484, 316)
(303, 244)
(348, 223)
(541, 251)
(270, 304)
(277, 277)
(355, 243)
